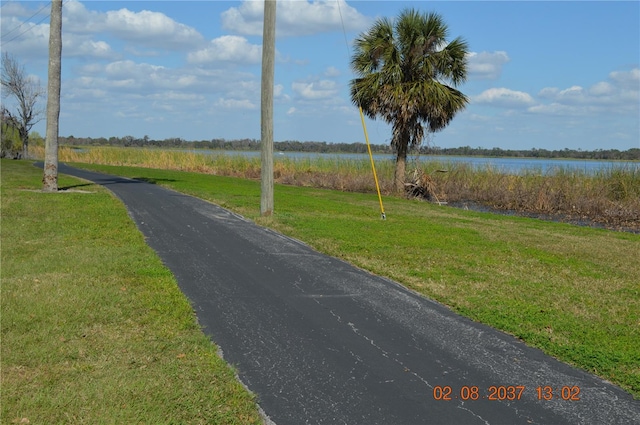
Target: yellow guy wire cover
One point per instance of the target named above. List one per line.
(373, 167)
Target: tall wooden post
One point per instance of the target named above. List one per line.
(266, 107)
(50, 177)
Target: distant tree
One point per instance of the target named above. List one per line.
(404, 68)
(26, 92)
(35, 139)
(11, 145)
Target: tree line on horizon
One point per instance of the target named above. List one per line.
(358, 147)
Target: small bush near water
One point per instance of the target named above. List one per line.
(609, 197)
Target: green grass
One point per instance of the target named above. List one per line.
(571, 291)
(94, 328)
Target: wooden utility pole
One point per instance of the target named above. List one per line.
(50, 178)
(266, 107)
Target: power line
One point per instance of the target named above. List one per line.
(25, 22)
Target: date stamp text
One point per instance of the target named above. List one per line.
(505, 392)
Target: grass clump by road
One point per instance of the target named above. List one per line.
(571, 291)
(94, 327)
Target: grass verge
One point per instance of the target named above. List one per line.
(94, 328)
(571, 291)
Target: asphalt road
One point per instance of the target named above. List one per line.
(322, 342)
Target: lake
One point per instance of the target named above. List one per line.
(507, 165)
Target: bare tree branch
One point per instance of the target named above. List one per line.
(26, 92)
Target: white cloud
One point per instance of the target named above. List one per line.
(479, 118)
(172, 95)
(129, 68)
(601, 89)
(504, 98)
(572, 92)
(629, 80)
(228, 48)
(77, 19)
(136, 79)
(291, 111)
(32, 39)
(85, 48)
(486, 65)
(618, 95)
(295, 17)
(173, 101)
(235, 104)
(322, 89)
(23, 38)
(151, 28)
(331, 72)
(556, 108)
(81, 26)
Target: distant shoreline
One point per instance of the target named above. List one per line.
(632, 154)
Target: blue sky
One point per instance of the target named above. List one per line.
(542, 74)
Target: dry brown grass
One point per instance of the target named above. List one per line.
(610, 197)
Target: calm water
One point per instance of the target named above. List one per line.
(508, 165)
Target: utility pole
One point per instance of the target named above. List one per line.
(50, 177)
(266, 107)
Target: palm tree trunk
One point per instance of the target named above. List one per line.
(401, 165)
(50, 178)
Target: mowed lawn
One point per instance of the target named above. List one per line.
(94, 328)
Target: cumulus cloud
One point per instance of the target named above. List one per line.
(295, 17)
(504, 98)
(555, 109)
(629, 80)
(331, 72)
(82, 47)
(315, 90)
(137, 79)
(31, 39)
(486, 65)
(25, 38)
(235, 104)
(81, 26)
(127, 84)
(129, 68)
(151, 29)
(620, 93)
(228, 48)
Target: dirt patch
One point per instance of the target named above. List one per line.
(59, 191)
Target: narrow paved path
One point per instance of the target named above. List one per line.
(322, 342)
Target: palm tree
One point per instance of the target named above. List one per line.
(406, 73)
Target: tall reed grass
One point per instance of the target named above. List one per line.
(610, 196)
